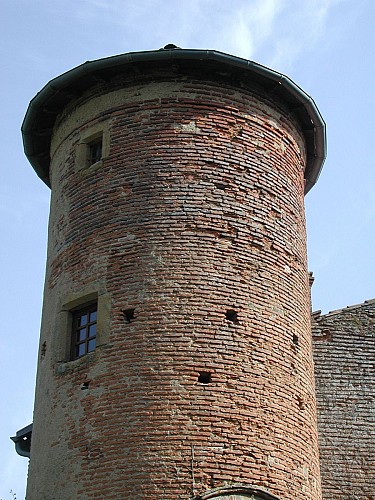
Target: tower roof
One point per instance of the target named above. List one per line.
(50, 101)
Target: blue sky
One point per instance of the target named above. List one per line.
(325, 46)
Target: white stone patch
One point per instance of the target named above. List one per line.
(188, 127)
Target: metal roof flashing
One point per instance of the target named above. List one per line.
(22, 440)
(44, 108)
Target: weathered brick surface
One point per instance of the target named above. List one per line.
(344, 353)
(197, 210)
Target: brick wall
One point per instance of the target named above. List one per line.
(344, 353)
(195, 220)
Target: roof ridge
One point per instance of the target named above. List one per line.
(348, 308)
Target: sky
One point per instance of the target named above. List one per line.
(325, 46)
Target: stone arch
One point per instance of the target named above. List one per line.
(236, 492)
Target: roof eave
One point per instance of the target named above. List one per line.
(37, 150)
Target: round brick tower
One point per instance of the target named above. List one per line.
(175, 352)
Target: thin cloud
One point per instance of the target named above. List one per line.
(299, 28)
(275, 32)
(244, 27)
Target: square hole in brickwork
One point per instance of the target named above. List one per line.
(204, 377)
(128, 315)
(232, 316)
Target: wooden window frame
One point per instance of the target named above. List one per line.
(63, 335)
(83, 341)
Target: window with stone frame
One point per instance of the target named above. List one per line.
(84, 323)
(92, 148)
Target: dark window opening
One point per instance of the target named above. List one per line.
(84, 330)
(232, 316)
(85, 385)
(295, 339)
(220, 185)
(128, 315)
(95, 151)
(301, 403)
(204, 377)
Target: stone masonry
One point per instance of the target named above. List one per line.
(344, 354)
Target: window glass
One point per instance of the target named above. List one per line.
(95, 151)
(91, 345)
(80, 350)
(84, 330)
(82, 334)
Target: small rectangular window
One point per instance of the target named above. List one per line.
(92, 148)
(95, 151)
(84, 330)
